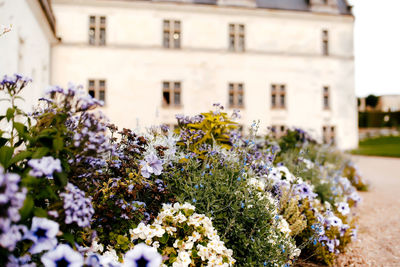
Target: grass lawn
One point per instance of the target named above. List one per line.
(388, 146)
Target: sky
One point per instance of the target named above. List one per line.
(377, 46)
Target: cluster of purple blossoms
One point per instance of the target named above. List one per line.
(186, 119)
(45, 166)
(12, 198)
(77, 207)
(14, 84)
(151, 165)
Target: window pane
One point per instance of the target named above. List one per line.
(91, 93)
(240, 87)
(91, 83)
(177, 98)
(102, 84)
(326, 102)
(241, 29)
(231, 28)
(273, 100)
(92, 19)
(282, 101)
(177, 86)
(231, 42)
(177, 25)
(166, 40)
(102, 95)
(177, 40)
(273, 87)
(282, 88)
(166, 100)
(165, 85)
(102, 36)
(102, 20)
(231, 103)
(241, 43)
(240, 100)
(92, 36)
(166, 24)
(231, 87)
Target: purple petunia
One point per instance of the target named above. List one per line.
(63, 255)
(43, 234)
(142, 255)
(151, 164)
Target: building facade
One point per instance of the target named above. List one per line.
(286, 63)
(26, 49)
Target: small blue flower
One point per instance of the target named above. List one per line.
(194, 200)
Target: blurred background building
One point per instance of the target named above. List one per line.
(287, 63)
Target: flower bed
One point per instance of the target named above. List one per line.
(75, 190)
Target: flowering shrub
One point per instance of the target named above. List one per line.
(75, 190)
(184, 238)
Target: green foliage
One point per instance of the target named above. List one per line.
(243, 218)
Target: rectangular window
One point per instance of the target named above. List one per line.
(97, 30)
(172, 34)
(328, 135)
(236, 37)
(97, 89)
(277, 131)
(171, 94)
(325, 43)
(236, 95)
(278, 96)
(326, 97)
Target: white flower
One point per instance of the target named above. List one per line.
(63, 255)
(283, 226)
(140, 231)
(142, 255)
(343, 208)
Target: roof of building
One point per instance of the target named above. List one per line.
(298, 5)
(48, 12)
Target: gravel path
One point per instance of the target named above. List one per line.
(379, 216)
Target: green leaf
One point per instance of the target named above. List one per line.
(61, 178)
(39, 212)
(3, 141)
(27, 208)
(9, 113)
(20, 127)
(6, 153)
(164, 238)
(40, 152)
(58, 144)
(69, 237)
(20, 156)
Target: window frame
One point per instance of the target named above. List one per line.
(170, 28)
(326, 101)
(97, 89)
(278, 96)
(237, 34)
(173, 89)
(325, 42)
(99, 27)
(236, 95)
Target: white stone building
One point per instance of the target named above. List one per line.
(26, 49)
(287, 63)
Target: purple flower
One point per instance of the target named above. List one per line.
(12, 235)
(43, 234)
(77, 207)
(45, 166)
(142, 255)
(63, 255)
(151, 164)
